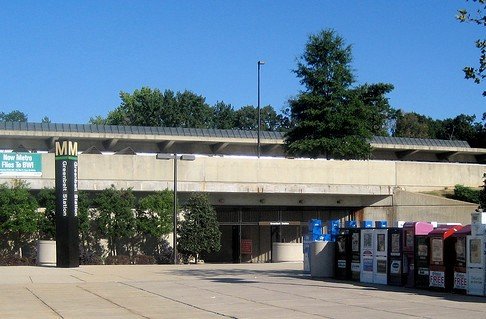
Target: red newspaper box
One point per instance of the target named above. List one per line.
(442, 257)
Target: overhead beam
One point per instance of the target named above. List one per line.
(218, 147)
(165, 146)
(110, 144)
(270, 148)
(481, 158)
(50, 142)
(403, 154)
(446, 156)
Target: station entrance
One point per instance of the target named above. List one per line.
(248, 233)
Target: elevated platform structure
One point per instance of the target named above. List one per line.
(97, 139)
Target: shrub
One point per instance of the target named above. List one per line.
(89, 258)
(165, 253)
(117, 260)
(16, 261)
(466, 194)
(143, 260)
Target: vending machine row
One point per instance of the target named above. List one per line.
(446, 258)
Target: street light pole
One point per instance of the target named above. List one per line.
(259, 63)
(174, 240)
(175, 157)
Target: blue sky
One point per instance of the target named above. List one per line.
(69, 60)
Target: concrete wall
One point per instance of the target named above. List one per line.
(264, 176)
(409, 206)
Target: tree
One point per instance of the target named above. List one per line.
(331, 118)
(89, 233)
(116, 220)
(97, 120)
(246, 118)
(46, 199)
(413, 125)
(477, 74)
(461, 127)
(482, 194)
(199, 230)
(46, 119)
(154, 221)
(14, 116)
(224, 116)
(18, 215)
(151, 107)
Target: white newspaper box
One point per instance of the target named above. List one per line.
(380, 238)
(367, 255)
(476, 267)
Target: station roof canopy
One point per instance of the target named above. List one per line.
(96, 139)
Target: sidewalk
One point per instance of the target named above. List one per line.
(213, 291)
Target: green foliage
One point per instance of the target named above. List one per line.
(413, 125)
(477, 74)
(154, 216)
(224, 116)
(154, 222)
(46, 198)
(151, 107)
(466, 194)
(116, 220)
(462, 127)
(18, 215)
(330, 117)
(482, 194)
(199, 230)
(14, 116)
(46, 119)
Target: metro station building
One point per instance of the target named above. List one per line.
(265, 200)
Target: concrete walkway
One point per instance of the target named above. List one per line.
(213, 291)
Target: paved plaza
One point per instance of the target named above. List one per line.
(213, 291)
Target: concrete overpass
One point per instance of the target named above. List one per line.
(251, 193)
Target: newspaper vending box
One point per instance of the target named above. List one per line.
(476, 265)
(355, 239)
(412, 255)
(380, 260)
(460, 268)
(442, 251)
(343, 256)
(396, 275)
(367, 255)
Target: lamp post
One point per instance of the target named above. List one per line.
(259, 63)
(175, 157)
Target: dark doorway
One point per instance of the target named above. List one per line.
(235, 243)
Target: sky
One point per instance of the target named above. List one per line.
(69, 60)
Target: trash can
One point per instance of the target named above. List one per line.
(322, 259)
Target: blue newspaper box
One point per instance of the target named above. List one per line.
(381, 224)
(366, 224)
(350, 224)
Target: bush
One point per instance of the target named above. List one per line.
(143, 260)
(466, 194)
(117, 260)
(165, 254)
(16, 261)
(89, 258)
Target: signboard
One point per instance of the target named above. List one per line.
(246, 247)
(20, 164)
(67, 237)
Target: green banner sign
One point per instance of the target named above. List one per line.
(21, 164)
